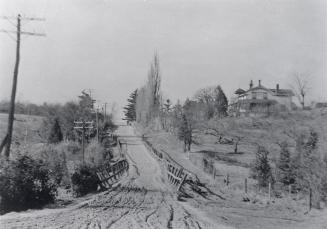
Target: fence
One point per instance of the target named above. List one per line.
(176, 176)
(150, 147)
(176, 173)
(109, 174)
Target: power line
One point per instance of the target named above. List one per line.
(23, 18)
(12, 23)
(12, 37)
(24, 33)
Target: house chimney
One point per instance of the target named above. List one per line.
(277, 87)
(259, 82)
(251, 84)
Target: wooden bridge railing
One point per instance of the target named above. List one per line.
(109, 174)
(176, 173)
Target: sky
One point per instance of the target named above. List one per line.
(107, 46)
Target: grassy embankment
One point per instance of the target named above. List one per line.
(254, 131)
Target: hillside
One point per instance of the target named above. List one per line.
(253, 131)
(26, 129)
(208, 156)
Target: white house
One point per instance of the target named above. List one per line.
(261, 100)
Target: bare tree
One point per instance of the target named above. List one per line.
(154, 81)
(300, 87)
(205, 95)
(149, 96)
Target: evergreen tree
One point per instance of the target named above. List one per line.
(221, 102)
(307, 162)
(311, 144)
(261, 169)
(284, 166)
(55, 135)
(185, 133)
(129, 109)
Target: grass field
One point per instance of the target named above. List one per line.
(26, 130)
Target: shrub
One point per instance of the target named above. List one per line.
(85, 180)
(261, 170)
(208, 165)
(95, 153)
(55, 157)
(284, 166)
(25, 183)
(310, 169)
(55, 135)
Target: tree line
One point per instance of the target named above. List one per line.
(147, 106)
(59, 121)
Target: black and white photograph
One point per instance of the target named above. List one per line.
(163, 114)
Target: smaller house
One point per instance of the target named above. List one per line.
(261, 100)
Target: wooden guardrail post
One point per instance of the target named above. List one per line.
(214, 173)
(246, 185)
(269, 190)
(181, 182)
(227, 179)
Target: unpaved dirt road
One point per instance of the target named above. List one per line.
(143, 199)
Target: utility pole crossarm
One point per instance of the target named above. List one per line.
(83, 125)
(24, 18)
(24, 33)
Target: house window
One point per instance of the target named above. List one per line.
(265, 95)
(254, 95)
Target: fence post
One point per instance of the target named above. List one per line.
(289, 190)
(246, 185)
(310, 199)
(227, 179)
(269, 191)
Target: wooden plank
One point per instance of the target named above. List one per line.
(109, 174)
(174, 176)
(182, 182)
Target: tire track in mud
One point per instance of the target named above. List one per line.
(157, 208)
(171, 217)
(116, 220)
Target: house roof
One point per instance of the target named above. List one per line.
(279, 92)
(258, 87)
(239, 91)
(282, 92)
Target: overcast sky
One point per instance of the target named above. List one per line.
(107, 45)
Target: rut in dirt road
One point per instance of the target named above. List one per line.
(142, 200)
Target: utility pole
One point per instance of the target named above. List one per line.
(97, 120)
(82, 125)
(7, 140)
